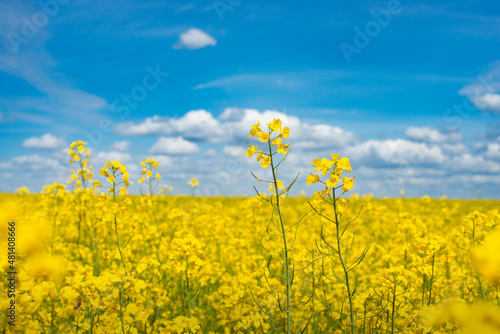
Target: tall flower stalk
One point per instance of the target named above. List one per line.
(152, 182)
(273, 137)
(81, 179)
(334, 169)
(113, 170)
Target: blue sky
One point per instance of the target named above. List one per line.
(410, 91)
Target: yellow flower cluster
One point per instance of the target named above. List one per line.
(183, 324)
(147, 169)
(274, 127)
(83, 175)
(112, 170)
(334, 168)
(80, 151)
(185, 257)
(194, 182)
(23, 190)
(486, 259)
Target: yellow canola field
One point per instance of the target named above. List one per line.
(78, 262)
(202, 265)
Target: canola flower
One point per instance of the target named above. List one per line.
(194, 182)
(273, 137)
(80, 153)
(198, 267)
(147, 169)
(334, 169)
(113, 170)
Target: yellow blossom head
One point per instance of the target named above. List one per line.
(194, 182)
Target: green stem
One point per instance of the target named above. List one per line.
(52, 324)
(364, 321)
(432, 279)
(393, 308)
(315, 327)
(116, 227)
(473, 246)
(121, 311)
(287, 262)
(423, 290)
(118, 244)
(81, 168)
(188, 295)
(91, 321)
(156, 220)
(97, 269)
(77, 319)
(344, 267)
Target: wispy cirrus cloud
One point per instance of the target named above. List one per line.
(31, 62)
(285, 80)
(316, 77)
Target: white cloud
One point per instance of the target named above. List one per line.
(235, 114)
(395, 152)
(234, 125)
(150, 126)
(472, 164)
(449, 142)
(120, 146)
(45, 142)
(36, 171)
(314, 137)
(102, 157)
(163, 160)
(178, 145)
(194, 39)
(210, 153)
(98, 159)
(425, 134)
(493, 151)
(234, 151)
(484, 92)
(489, 179)
(452, 149)
(487, 102)
(34, 162)
(429, 161)
(195, 125)
(431, 135)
